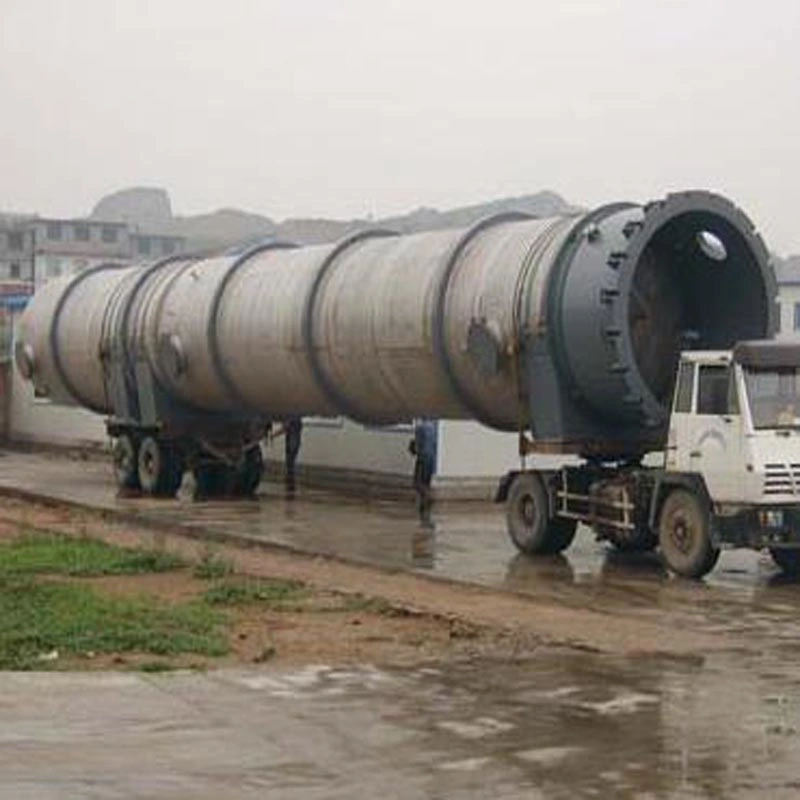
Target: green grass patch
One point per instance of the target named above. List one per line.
(212, 567)
(39, 618)
(277, 594)
(50, 553)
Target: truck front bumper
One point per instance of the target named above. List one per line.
(763, 526)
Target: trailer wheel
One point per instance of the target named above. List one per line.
(528, 519)
(160, 468)
(684, 535)
(126, 462)
(248, 474)
(787, 560)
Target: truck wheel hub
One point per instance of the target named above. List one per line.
(682, 535)
(528, 510)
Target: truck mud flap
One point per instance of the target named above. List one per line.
(501, 495)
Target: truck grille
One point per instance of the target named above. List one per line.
(782, 479)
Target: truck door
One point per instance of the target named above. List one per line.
(678, 442)
(715, 433)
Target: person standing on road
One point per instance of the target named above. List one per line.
(293, 429)
(424, 447)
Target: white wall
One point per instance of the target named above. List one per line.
(34, 420)
(467, 449)
(343, 444)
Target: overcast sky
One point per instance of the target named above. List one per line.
(318, 107)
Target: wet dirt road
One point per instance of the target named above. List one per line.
(563, 724)
(461, 541)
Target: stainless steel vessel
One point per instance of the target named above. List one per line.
(568, 326)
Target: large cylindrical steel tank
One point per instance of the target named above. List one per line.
(384, 328)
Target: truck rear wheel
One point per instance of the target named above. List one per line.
(528, 519)
(684, 535)
(787, 560)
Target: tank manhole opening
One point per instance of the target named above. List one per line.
(711, 245)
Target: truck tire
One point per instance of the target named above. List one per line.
(160, 468)
(787, 560)
(126, 462)
(684, 534)
(528, 519)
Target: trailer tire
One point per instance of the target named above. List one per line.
(528, 519)
(125, 456)
(160, 468)
(684, 534)
(787, 560)
(249, 472)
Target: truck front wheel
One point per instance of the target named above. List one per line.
(528, 519)
(684, 535)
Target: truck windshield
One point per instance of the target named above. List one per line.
(774, 396)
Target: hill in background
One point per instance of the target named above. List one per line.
(150, 209)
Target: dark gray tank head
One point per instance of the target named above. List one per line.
(631, 289)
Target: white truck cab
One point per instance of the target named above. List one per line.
(730, 476)
(735, 423)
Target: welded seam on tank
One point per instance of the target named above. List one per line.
(216, 301)
(108, 341)
(141, 281)
(55, 349)
(521, 308)
(161, 292)
(340, 402)
(107, 326)
(459, 392)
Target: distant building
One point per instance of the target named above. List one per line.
(14, 296)
(38, 249)
(147, 246)
(68, 246)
